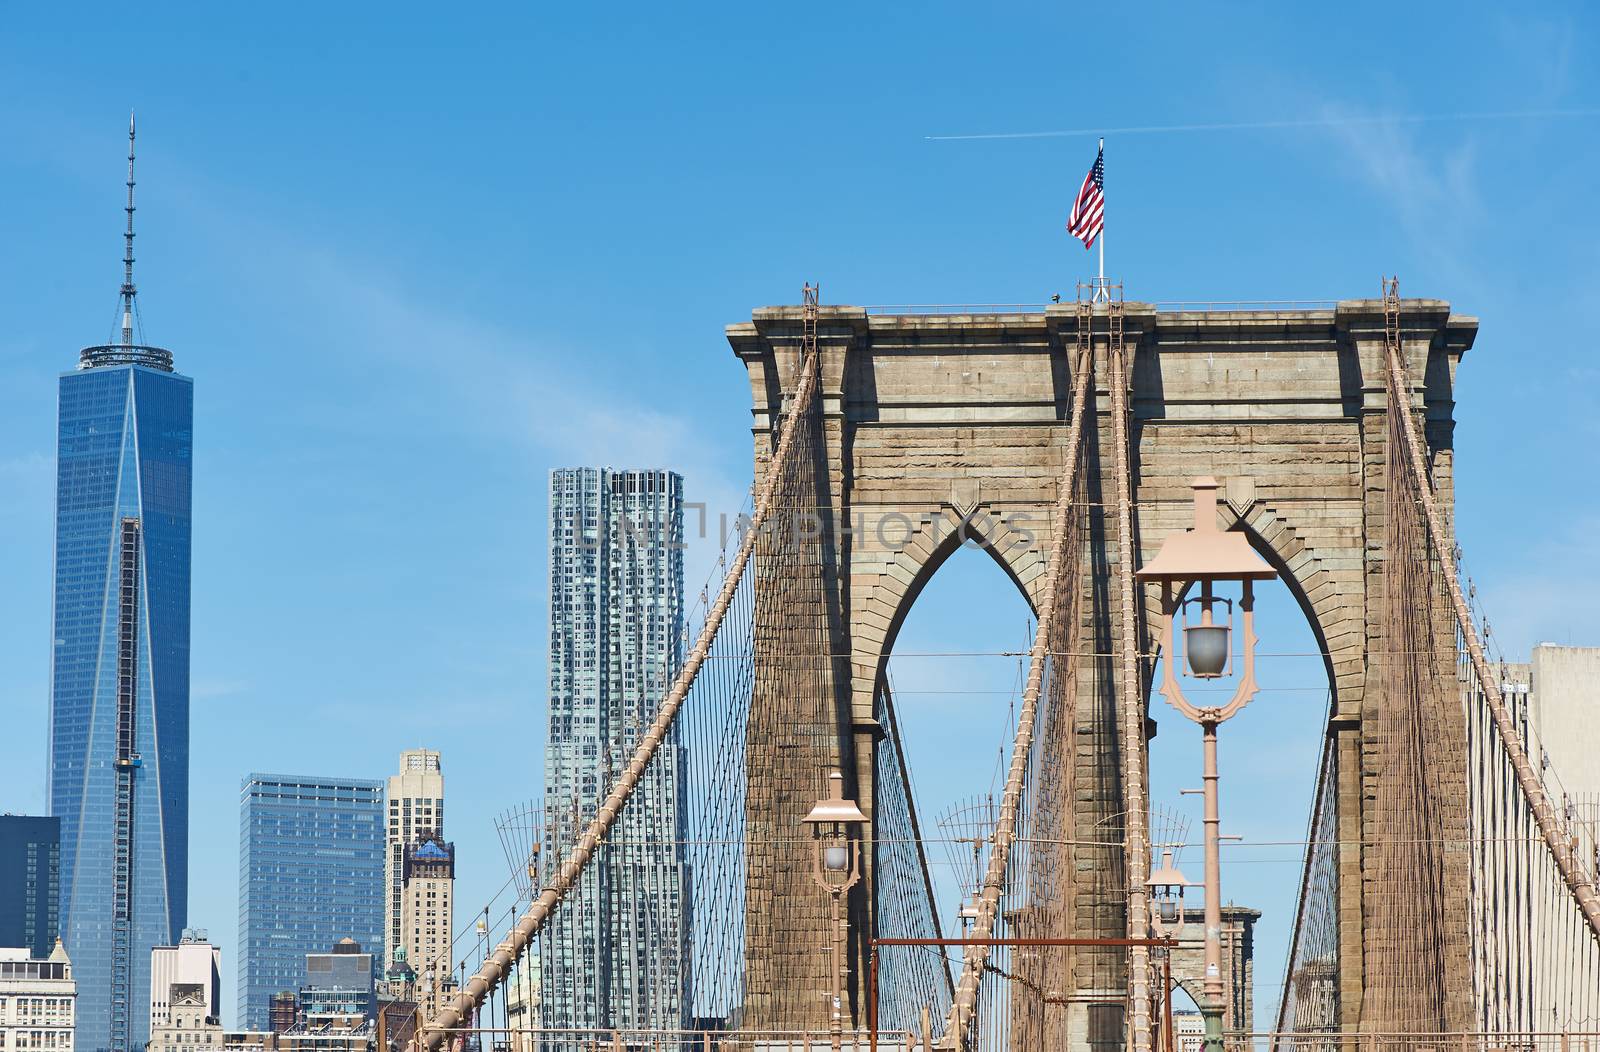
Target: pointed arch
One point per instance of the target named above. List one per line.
(909, 567)
(1314, 587)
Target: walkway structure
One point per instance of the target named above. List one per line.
(1063, 440)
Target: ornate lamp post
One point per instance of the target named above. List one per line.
(1166, 886)
(836, 869)
(1206, 556)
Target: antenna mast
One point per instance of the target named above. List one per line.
(128, 291)
(126, 352)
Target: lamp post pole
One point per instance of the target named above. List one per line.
(836, 1023)
(1212, 1009)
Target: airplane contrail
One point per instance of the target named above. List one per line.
(1317, 122)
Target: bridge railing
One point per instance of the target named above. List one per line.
(487, 1039)
(702, 1040)
(1475, 1041)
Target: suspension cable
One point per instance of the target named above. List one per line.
(1582, 890)
(1137, 851)
(498, 964)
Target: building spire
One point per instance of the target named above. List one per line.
(121, 349)
(128, 290)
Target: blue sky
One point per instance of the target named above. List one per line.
(415, 261)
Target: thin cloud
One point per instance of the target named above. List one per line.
(30, 464)
(217, 689)
(492, 380)
(1327, 121)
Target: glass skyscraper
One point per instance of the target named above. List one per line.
(30, 881)
(311, 857)
(616, 954)
(119, 687)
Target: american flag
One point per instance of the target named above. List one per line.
(1088, 216)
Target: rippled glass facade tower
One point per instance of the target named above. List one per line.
(119, 704)
(311, 872)
(616, 955)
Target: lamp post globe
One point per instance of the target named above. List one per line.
(1206, 647)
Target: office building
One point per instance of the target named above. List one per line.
(416, 809)
(311, 854)
(119, 684)
(187, 1022)
(30, 876)
(193, 964)
(37, 1000)
(617, 955)
(428, 906)
(1565, 685)
(340, 984)
(1551, 702)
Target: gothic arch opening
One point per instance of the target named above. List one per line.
(955, 662)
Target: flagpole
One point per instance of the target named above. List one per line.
(1102, 239)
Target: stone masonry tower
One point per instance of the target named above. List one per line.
(926, 422)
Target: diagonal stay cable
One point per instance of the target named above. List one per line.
(1527, 780)
(498, 964)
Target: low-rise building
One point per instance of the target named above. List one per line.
(353, 1034)
(249, 1041)
(1189, 1029)
(347, 1034)
(187, 1024)
(193, 962)
(38, 1001)
(283, 1011)
(339, 984)
(397, 1024)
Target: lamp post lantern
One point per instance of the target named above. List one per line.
(1166, 886)
(836, 869)
(1205, 557)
